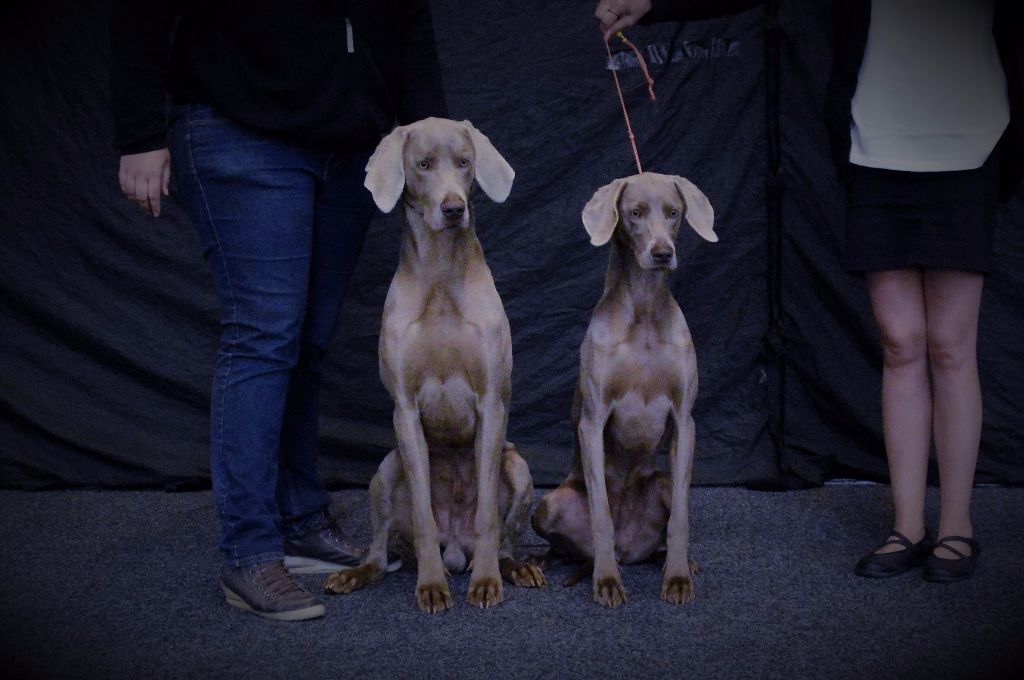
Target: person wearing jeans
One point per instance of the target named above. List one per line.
(276, 109)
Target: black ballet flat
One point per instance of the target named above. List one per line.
(885, 565)
(949, 570)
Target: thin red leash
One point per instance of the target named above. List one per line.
(622, 100)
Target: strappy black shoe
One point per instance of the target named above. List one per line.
(950, 569)
(884, 565)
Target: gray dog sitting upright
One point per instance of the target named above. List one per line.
(453, 484)
(638, 382)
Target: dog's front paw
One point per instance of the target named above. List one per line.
(485, 591)
(609, 591)
(523, 574)
(433, 597)
(348, 580)
(677, 589)
(676, 583)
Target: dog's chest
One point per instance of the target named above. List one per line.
(442, 336)
(636, 423)
(644, 371)
(446, 356)
(446, 349)
(644, 385)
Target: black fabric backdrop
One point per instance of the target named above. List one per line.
(108, 319)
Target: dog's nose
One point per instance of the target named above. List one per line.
(453, 209)
(661, 255)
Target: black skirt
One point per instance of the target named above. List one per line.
(934, 220)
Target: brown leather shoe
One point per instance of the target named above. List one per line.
(323, 549)
(267, 589)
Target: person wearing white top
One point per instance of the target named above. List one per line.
(931, 95)
(929, 107)
(925, 114)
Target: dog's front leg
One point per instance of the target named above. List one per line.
(432, 594)
(608, 588)
(676, 582)
(485, 585)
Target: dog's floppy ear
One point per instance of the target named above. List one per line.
(493, 173)
(699, 212)
(385, 171)
(601, 213)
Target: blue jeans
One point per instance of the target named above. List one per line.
(281, 227)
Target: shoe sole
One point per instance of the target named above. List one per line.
(873, 571)
(868, 573)
(311, 612)
(309, 565)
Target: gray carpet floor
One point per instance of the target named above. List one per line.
(107, 584)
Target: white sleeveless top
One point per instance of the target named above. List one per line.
(931, 95)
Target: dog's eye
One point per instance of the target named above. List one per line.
(464, 163)
(673, 213)
(635, 212)
(423, 164)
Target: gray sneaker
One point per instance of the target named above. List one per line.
(267, 589)
(324, 549)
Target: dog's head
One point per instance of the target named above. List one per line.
(645, 211)
(433, 162)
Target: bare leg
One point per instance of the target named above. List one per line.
(953, 299)
(897, 299)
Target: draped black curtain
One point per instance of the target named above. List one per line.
(108, 319)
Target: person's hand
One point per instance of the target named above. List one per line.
(614, 15)
(145, 176)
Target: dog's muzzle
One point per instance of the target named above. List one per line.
(453, 213)
(663, 256)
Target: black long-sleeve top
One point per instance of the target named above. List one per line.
(851, 20)
(327, 74)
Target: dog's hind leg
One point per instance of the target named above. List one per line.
(563, 520)
(516, 475)
(374, 565)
